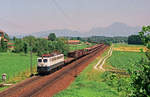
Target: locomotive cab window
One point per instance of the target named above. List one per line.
(44, 60)
(39, 60)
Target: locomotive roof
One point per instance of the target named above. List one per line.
(50, 55)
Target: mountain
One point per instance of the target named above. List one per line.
(115, 29)
(60, 32)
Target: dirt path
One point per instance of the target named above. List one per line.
(99, 65)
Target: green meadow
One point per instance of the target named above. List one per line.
(125, 60)
(15, 63)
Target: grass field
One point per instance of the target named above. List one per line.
(78, 46)
(124, 59)
(13, 64)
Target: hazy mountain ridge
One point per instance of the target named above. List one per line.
(116, 29)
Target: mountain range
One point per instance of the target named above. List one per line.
(115, 29)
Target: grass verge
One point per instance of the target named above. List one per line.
(16, 66)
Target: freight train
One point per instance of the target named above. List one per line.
(54, 61)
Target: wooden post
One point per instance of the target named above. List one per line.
(4, 77)
(31, 71)
(31, 62)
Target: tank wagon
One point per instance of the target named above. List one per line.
(49, 62)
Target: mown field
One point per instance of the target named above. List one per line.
(132, 48)
(126, 45)
(14, 64)
(94, 83)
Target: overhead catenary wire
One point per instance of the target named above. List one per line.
(64, 13)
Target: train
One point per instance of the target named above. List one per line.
(54, 61)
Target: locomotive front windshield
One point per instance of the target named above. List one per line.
(45, 60)
(39, 60)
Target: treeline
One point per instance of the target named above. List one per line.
(134, 39)
(41, 45)
(101, 39)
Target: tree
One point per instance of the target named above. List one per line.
(18, 45)
(134, 39)
(31, 41)
(52, 37)
(25, 48)
(42, 47)
(61, 46)
(141, 78)
(3, 45)
(14, 38)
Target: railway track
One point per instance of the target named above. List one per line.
(35, 86)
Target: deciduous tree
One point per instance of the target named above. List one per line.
(52, 37)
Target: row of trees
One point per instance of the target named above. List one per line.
(40, 45)
(103, 39)
(134, 39)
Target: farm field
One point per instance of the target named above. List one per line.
(14, 64)
(73, 47)
(94, 83)
(124, 59)
(126, 47)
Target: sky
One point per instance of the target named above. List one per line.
(41, 15)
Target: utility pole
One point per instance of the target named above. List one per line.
(76, 64)
(31, 59)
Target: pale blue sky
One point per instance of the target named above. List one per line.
(40, 15)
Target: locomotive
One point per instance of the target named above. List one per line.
(54, 61)
(48, 62)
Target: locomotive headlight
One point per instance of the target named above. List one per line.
(42, 64)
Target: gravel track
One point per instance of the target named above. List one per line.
(101, 62)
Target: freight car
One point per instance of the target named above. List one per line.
(49, 62)
(79, 53)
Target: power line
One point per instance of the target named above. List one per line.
(63, 12)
